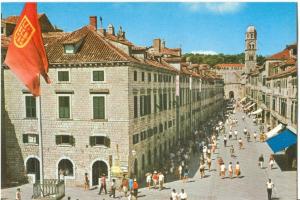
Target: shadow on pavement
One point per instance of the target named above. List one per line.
(282, 162)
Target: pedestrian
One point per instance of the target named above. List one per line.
(130, 185)
(230, 171)
(205, 152)
(161, 180)
(261, 161)
(103, 184)
(237, 169)
(174, 195)
(183, 195)
(18, 194)
(186, 173)
(208, 163)
(113, 188)
(125, 185)
(148, 180)
(202, 168)
(86, 182)
(135, 188)
(231, 151)
(236, 134)
(230, 135)
(270, 186)
(155, 179)
(180, 171)
(225, 140)
(208, 152)
(223, 169)
(248, 137)
(254, 136)
(240, 143)
(271, 161)
(245, 132)
(243, 117)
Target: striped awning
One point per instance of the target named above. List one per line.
(258, 111)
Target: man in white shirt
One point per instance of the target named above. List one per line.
(161, 178)
(183, 195)
(235, 134)
(270, 186)
(174, 195)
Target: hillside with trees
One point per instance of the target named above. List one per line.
(212, 60)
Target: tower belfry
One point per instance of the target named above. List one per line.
(250, 50)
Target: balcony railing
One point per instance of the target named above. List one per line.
(51, 188)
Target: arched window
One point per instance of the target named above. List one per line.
(65, 168)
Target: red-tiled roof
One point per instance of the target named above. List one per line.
(283, 55)
(137, 48)
(14, 19)
(173, 59)
(93, 49)
(226, 65)
(171, 51)
(288, 71)
(117, 39)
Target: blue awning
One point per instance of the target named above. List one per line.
(284, 139)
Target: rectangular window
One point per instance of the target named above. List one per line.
(155, 103)
(274, 104)
(63, 76)
(30, 105)
(170, 123)
(142, 106)
(98, 76)
(150, 132)
(30, 139)
(135, 139)
(99, 141)
(64, 139)
(155, 130)
(64, 106)
(135, 105)
(99, 107)
(155, 77)
(149, 77)
(161, 128)
(135, 75)
(166, 125)
(143, 76)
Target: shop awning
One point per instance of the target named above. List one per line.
(243, 99)
(247, 104)
(250, 106)
(274, 131)
(258, 111)
(282, 140)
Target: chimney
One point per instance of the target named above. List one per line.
(121, 33)
(163, 44)
(103, 31)
(93, 22)
(156, 45)
(111, 29)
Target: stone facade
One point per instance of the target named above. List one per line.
(142, 112)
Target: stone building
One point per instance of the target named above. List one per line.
(271, 94)
(232, 75)
(109, 99)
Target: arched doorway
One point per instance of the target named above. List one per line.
(98, 169)
(33, 167)
(231, 95)
(65, 168)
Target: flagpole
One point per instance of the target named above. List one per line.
(39, 101)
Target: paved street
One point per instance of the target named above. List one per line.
(251, 184)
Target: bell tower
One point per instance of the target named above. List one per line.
(250, 50)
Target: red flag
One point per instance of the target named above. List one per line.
(26, 55)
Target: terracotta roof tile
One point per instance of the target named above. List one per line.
(226, 65)
(14, 19)
(289, 71)
(93, 49)
(117, 39)
(283, 55)
(171, 51)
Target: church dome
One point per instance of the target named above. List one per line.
(251, 29)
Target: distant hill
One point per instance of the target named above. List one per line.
(212, 60)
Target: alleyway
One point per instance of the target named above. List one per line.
(250, 186)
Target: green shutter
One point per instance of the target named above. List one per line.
(64, 107)
(37, 139)
(141, 106)
(107, 141)
(98, 75)
(25, 138)
(99, 107)
(57, 139)
(73, 140)
(92, 141)
(30, 104)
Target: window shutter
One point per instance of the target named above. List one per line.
(73, 140)
(92, 141)
(25, 138)
(102, 108)
(37, 139)
(57, 139)
(107, 141)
